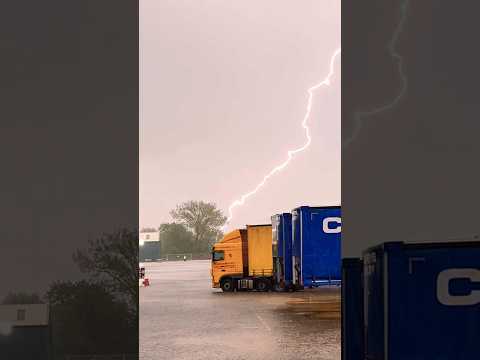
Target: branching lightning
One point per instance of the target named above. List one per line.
(290, 153)
(360, 116)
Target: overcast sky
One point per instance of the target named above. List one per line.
(411, 174)
(223, 93)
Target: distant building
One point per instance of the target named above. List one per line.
(24, 331)
(149, 236)
(149, 246)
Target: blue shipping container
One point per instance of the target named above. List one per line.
(352, 309)
(316, 248)
(422, 301)
(282, 248)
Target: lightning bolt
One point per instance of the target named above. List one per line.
(359, 116)
(290, 153)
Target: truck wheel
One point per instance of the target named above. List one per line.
(262, 285)
(227, 285)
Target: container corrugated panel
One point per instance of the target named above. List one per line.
(277, 236)
(286, 231)
(422, 301)
(277, 249)
(352, 309)
(282, 248)
(316, 248)
(260, 259)
(296, 249)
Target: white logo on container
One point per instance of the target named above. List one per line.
(443, 282)
(332, 229)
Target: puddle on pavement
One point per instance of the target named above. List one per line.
(316, 304)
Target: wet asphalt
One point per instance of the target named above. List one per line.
(182, 317)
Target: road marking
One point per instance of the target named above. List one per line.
(264, 323)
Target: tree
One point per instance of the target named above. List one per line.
(88, 319)
(22, 298)
(203, 219)
(98, 315)
(176, 238)
(113, 260)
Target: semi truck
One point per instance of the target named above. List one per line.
(412, 301)
(297, 250)
(243, 260)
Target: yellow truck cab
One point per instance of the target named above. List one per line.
(243, 260)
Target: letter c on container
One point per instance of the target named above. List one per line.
(327, 229)
(443, 282)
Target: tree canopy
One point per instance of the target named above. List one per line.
(176, 239)
(88, 319)
(22, 298)
(203, 219)
(98, 315)
(113, 259)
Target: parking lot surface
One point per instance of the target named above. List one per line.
(182, 317)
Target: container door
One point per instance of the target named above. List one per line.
(438, 312)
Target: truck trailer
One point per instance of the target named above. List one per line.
(420, 301)
(243, 260)
(316, 251)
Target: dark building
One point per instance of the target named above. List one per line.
(149, 250)
(24, 332)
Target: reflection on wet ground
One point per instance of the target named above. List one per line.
(182, 317)
(324, 304)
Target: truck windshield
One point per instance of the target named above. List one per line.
(217, 255)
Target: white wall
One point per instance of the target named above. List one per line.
(34, 315)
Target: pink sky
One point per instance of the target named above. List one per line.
(223, 93)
